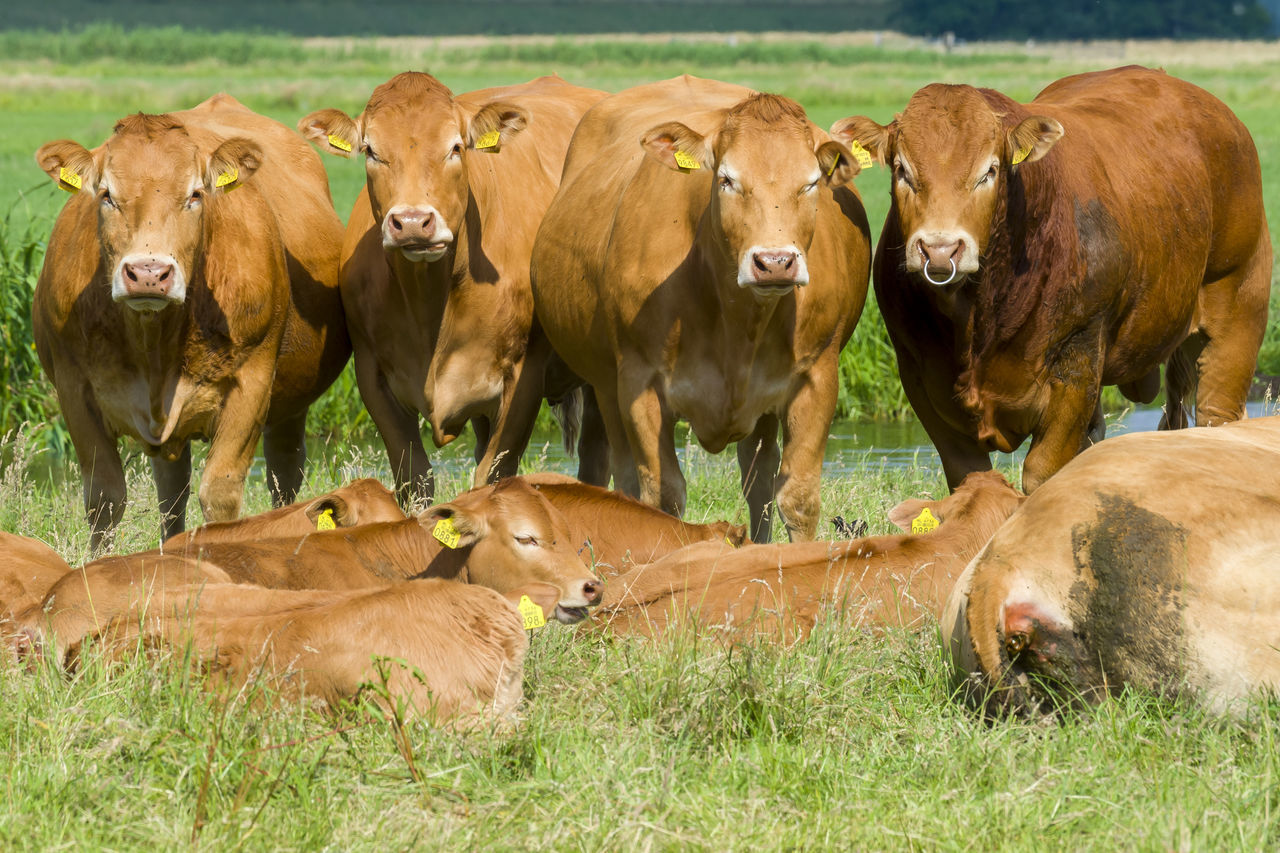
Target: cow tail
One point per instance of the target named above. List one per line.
(568, 413)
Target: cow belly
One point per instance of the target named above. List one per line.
(464, 389)
(719, 413)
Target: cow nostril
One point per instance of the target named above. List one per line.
(128, 270)
(165, 274)
(760, 265)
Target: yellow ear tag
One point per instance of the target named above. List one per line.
(339, 143)
(228, 177)
(729, 542)
(924, 522)
(532, 614)
(325, 521)
(446, 533)
(834, 165)
(68, 179)
(862, 155)
(686, 161)
(488, 140)
(1021, 154)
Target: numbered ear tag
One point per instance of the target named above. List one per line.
(446, 533)
(687, 161)
(68, 180)
(488, 140)
(862, 155)
(325, 521)
(924, 522)
(339, 143)
(532, 614)
(729, 542)
(228, 177)
(1021, 154)
(835, 164)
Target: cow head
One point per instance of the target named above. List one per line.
(416, 142)
(768, 171)
(152, 185)
(517, 538)
(951, 154)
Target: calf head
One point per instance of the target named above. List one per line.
(363, 501)
(516, 538)
(414, 139)
(767, 173)
(951, 153)
(152, 185)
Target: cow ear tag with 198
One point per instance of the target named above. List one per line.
(531, 613)
(447, 533)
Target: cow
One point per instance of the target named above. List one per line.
(501, 536)
(28, 567)
(190, 291)
(705, 259)
(1036, 252)
(1147, 563)
(781, 591)
(617, 531)
(364, 501)
(435, 264)
(450, 652)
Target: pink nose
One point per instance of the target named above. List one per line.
(148, 278)
(939, 257)
(774, 265)
(407, 227)
(592, 591)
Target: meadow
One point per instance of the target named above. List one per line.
(846, 741)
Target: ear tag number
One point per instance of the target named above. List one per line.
(686, 161)
(924, 522)
(531, 613)
(862, 155)
(228, 177)
(1021, 154)
(339, 143)
(325, 521)
(489, 140)
(68, 179)
(446, 533)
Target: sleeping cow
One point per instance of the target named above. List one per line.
(1149, 562)
(190, 291)
(435, 267)
(1034, 253)
(706, 259)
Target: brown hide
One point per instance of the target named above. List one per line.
(782, 590)
(435, 270)
(364, 501)
(28, 567)
(433, 648)
(190, 291)
(1130, 234)
(1148, 562)
(720, 294)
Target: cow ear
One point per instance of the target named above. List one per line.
(452, 525)
(329, 512)
(494, 126)
(860, 132)
(906, 512)
(69, 164)
(677, 147)
(837, 164)
(333, 132)
(232, 164)
(1032, 139)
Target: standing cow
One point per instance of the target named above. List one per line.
(171, 308)
(435, 266)
(1036, 252)
(704, 259)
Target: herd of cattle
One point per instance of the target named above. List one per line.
(686, 249)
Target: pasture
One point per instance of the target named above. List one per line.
(846, 741)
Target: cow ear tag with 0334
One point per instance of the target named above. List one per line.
(447, 533)
(924, 522)
(339, 143)
(531, 613)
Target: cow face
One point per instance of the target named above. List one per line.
(416, 143)
(151, 184)
(767, 175)
(517, 538)
(951, 155)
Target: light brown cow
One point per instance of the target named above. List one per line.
(434, 648)
(617, 531)
(435, 271)
(28, 567)
(1036, 252)
(704, 259)
(364, 501)
(782, 590)
(1149, 562)
(171, 308)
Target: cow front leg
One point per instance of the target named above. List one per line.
(284, 444)
(758, 460)
(173, 487)
(398, 426)
(517, 411)
(1062, 432)
(805, 427)
(101, 471)
(593, 443)
(650, 431)
(235, 437)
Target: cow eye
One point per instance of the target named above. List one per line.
(987, 178)
(370, 156)
(809, 187)
(456, 151)
(900, 175)
(527, 540)
(108, 201)
(194, 199)
(727, 184)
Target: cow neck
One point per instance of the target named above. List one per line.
(423, 290)
(158, 343)
(408, 551)
(742, 316)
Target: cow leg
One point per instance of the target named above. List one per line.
(805, 427)
(284, 444)
(650, 431)
(758, 463)
(961, 452)
(1065, 430)
(1233, 313)
(1097, 427)
(398, 427)
(100, 468)
(234, 440)
(481, 429)
(173, 487)
(1179, 379)
(517, 412)
(593, 443)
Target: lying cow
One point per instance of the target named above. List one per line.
(28, 568)
(782, 590)
(435, 269)
(364, 501)
(1034, 253)
(433, 648)
(712, 272)
(1148, 562)
(190, 291)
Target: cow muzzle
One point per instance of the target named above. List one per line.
(148, 283)
(418, 233)
(772, 271)
(942, 257)
(579, 599)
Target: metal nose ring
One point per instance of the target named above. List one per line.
(924, 270)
